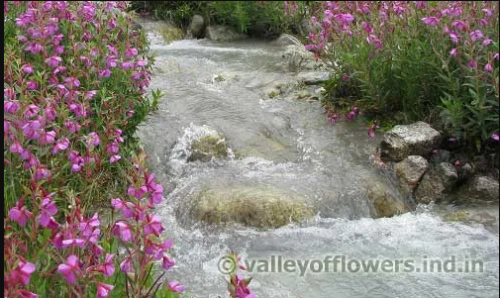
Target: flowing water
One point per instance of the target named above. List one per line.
(288, 146)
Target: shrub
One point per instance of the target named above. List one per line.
(74, 92)
(402, 61)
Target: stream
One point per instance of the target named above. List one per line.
(290, 147)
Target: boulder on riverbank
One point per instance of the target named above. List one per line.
(404, 140)
(223, 33)
(440, 180)
(196, 28)
(479, 189)
(409, 172)
(254, 207)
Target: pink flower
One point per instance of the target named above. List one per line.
(16, 147)
(125, 265)
(454, 52)
(23, 272)
(31, 110)
(476, 35)
(137, 193)
(72, 82)
(20, 213)
(495, 56)
(454, 37)
(344, 18)
(459, 24)
(368, 29)
(108, 267)
(153, 225)
(11, 106)
(167, 263)
(115, 158)
(488, 12)
(495, 137)
(131, 52)
(47, 209)
(487, 42)
(47, 137)
(27, 294)
(87, 227)
(72, 126)
(430, 21)
(472, 64)
(105, 73)
(453, 12)
(41, 174)
(69, 269)
(103, 290)
(175, 287)
(123, 230)
(61, 145)
(53, 61)
(113, 147)
(32, 85)
(371, 130)
(127, 64)
(93, 139)
(27, 68)
(488, 68)
(73, 242)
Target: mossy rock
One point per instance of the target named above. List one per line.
(460, 216)
(385, 203)
(261, 208)
(208, 147)
(171, 33)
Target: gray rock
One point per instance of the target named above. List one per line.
(287, 39)
(439, 180)
(223, 33)
(440, 155)
(404, 140)
(313, 78)
(465, 172)
(409, 172)
(297, 58)
(479, 188)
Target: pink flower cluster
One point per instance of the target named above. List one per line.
(65, 105)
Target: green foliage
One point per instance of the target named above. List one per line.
(259, 18)
(413, 77)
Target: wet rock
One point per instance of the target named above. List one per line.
(409, 172)
(404, 140)
(479, 189)
(313, 78)
(262, 208)
(223, 33)
(287, 39)
(208, 147)
(171, 33)
(439, 180)
(196, 27)
(385, 202)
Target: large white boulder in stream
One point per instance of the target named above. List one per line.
(255, 207)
